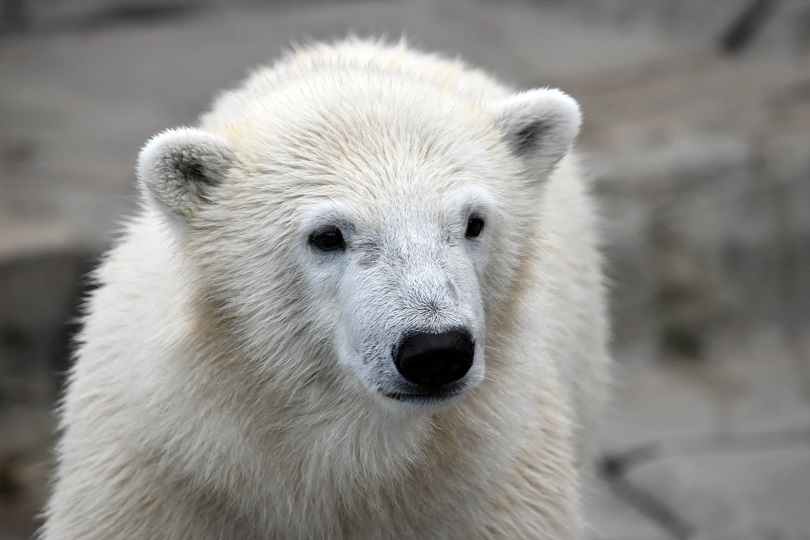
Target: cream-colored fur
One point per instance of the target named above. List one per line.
(219, 392)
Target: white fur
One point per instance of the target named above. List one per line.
(230, 377)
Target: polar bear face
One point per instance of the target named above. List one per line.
(404, 277)
(359, 239)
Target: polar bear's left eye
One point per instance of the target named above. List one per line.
(329, 239)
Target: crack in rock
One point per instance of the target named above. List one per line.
(614, 468)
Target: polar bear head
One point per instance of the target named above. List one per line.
(359, 235)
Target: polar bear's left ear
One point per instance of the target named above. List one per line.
(539, 125)
(180, 166)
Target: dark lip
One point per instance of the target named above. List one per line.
(416, 397)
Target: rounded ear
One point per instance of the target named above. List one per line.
(539, 125)
(179, 166)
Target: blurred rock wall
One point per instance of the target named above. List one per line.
(704, 175)
(751, 27)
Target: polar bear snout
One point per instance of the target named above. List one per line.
(432, 362)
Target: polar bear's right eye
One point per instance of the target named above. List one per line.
(328, 239)
(474, 227)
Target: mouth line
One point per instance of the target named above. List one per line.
(417, 397)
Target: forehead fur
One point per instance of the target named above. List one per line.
(375, 122)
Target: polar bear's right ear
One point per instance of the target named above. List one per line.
(539, 125)
(179, 166)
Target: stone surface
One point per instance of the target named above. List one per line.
(25, 466)
(758, 386)
(612, 518)
(761, 28)
(727, 494)
(40, 296)
(703, 184)
(697, 447)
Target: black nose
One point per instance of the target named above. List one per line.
(432, 360)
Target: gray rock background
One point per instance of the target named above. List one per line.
(697, 137)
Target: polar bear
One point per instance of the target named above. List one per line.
(363, 299)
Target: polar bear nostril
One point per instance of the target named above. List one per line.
(433, 360)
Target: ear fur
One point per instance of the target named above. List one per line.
(540, 125)
(179, 166)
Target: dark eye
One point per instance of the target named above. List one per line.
(329, 239)
(474, 227)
